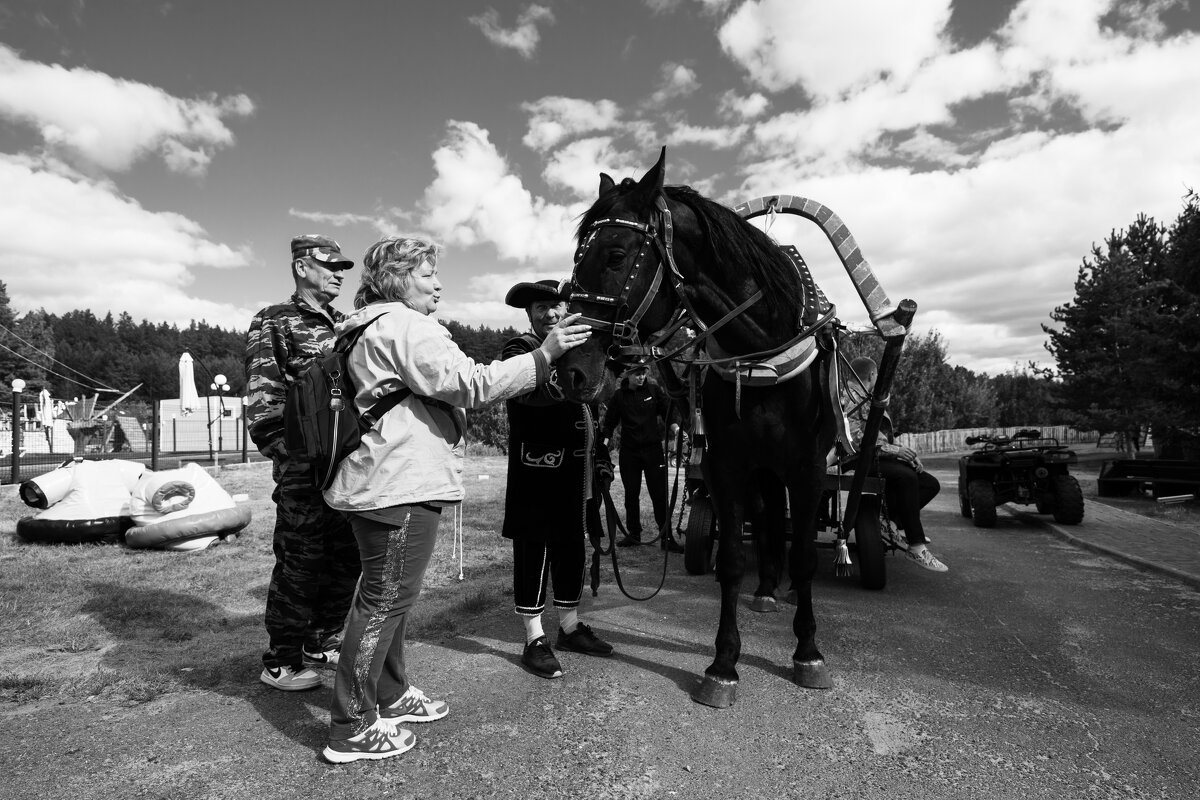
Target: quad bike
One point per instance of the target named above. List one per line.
(1024, 468)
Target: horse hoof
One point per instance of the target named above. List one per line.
(811, 674)
(790, 598)
(764, 604)
(715, 692)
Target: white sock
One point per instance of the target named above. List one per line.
(533, 628)
(569, 620)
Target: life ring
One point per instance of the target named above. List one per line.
(219, 522)
(182, 509)
(173, 496)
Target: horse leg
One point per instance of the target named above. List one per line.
(769, 544)
(808, 665)
(718, 687)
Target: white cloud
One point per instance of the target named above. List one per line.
(743, 107)
(830, 48)
(99, 121)
(385, 224)
(577, 166)
(523, 37)
(720, 137)
(61, 229)
(476, 199)
(555, 119)
(677, 80)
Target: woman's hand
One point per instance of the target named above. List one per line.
(564, 336)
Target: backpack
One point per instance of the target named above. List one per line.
(321, 423)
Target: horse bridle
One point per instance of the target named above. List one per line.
(627, 346)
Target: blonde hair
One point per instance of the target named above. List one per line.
(387, 267)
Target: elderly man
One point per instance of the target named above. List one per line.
(555, 463)
(316, 557)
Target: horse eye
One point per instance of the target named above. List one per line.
(616, 258)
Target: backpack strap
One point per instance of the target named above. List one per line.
(389, 401)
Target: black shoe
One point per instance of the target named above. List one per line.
(582, 640)
(630, 541)
(669, 544)
(539, 659)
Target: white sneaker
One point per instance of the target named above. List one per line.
(893, 535)
(381, 740)
(289, 680)
(328, 658)
(414, 706)
(927, 560)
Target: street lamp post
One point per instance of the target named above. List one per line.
(18, 386)
(220, 387)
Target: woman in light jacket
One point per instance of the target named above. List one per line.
(407, 469)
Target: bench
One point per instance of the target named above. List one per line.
(1165, 477)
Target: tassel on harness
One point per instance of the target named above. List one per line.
(841, 562)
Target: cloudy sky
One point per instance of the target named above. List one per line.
(156, 157)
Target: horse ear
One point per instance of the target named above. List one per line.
(652, 182)
(606, 183)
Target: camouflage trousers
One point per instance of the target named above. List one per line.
(316, 569)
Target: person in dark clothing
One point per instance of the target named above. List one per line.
(316, 556)
(555, 466)
(908, 488)
(640, 408)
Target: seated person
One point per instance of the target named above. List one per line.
(907, 486)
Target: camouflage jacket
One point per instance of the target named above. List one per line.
(281, 342)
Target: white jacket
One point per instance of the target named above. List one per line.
(414, 454)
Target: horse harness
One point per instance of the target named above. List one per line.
(763, 368)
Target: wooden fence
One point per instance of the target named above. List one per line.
(955, 440)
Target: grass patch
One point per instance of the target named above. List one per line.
(132, 625)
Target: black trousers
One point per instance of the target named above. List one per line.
(561, 559)
(648, 461)
(906, 492)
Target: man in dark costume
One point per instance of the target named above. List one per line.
(556, 466)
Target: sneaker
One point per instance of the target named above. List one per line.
(927, 560)
(630, 541)
(414, 706)
(322, 660)
(381, 740)
(290, 679)
(582, 640)
(539, 659)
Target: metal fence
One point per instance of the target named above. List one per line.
(47, 434)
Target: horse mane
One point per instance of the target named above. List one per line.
(735, 244)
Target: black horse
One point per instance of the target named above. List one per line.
(652, 259)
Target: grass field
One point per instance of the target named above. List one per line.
(104, 618)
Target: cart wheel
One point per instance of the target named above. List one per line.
(964, 504)
(983, 503)
(698, 541)
(1068, 500)
(871, 571)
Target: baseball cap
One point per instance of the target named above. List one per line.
(320, 248)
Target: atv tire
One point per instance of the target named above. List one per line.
(1068, 500)
(983, 503)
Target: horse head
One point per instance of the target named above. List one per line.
(618, 283)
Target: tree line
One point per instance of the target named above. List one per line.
(1127, 352)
